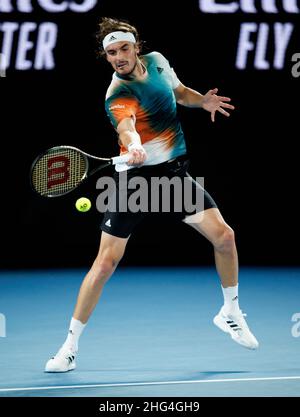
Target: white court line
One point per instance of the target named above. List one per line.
(135, 384)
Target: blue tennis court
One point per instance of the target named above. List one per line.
(150, 335)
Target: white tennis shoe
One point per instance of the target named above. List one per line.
(236, 326)
(63, 361)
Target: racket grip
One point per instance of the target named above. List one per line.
(120, 159)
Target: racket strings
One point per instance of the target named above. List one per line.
(59, 171)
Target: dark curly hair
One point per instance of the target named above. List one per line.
(108, 25)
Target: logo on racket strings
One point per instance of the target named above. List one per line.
(58, 171)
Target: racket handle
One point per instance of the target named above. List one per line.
(120, 159)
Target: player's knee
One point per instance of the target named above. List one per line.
(225, 240)
(103, 269)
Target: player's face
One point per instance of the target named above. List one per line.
(122, 56)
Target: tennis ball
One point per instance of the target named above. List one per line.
(83, 204)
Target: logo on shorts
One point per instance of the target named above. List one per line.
(108, 223)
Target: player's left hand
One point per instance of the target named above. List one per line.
(212, 103)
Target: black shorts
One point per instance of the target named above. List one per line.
(120, 221)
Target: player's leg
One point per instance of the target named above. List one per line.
(230, 319)
(117, 226)
(211, 224)
(110, 253)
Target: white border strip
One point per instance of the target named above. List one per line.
(135, 384)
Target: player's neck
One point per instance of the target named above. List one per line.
(140, 71)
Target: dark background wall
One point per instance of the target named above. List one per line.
(250, 161)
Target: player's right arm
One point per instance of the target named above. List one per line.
(130, 138)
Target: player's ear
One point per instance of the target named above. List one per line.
(137, 48)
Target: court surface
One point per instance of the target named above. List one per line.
(150, 335)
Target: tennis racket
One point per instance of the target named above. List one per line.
(61, 169)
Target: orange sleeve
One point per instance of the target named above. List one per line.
(119, 108)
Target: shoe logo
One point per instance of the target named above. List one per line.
(108, 223)
(159, 69)
(235, 298)
(112, 38)
(70, 359)
(233, 325)
(71, 331)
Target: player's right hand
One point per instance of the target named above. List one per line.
(138, 156)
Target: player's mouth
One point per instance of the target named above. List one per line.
(121, 65)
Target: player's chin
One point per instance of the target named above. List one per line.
(125, 70)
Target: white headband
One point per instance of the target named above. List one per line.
(118, 37)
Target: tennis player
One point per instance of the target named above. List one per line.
(141, 104)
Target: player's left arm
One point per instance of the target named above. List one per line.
(210, 101)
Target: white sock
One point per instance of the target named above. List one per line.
(75, 330)
(231, 299)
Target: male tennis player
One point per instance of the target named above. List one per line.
(141, 103)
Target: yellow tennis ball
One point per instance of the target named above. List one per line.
(83, 204)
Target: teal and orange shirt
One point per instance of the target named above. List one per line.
(152, 104)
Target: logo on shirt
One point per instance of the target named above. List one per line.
(117, 106)
(159, 69)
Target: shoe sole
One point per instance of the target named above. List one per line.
(60, 371)
(221, 325)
